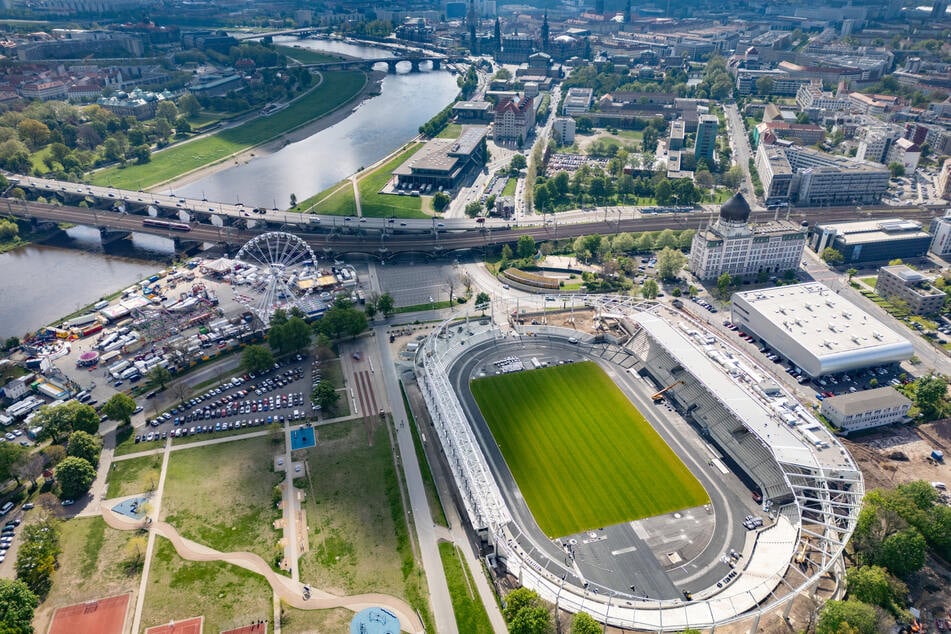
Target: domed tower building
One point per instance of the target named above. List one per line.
(746, 251)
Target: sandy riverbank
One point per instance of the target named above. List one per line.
(369, 90)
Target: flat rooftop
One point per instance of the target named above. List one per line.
(479, 106)
(434, 157)
(469, 139)
(822, 321)
(864, 231)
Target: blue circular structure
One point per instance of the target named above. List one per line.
(375, 621)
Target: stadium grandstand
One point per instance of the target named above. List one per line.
(810, 487)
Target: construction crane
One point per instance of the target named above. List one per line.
(657, 396)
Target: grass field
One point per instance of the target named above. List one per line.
(471, 616)
(222, 495)
(90, 566)
(581, 453)
(307, 56)
(510, 187)
(359, 539)
(337, 88)
(376, 205)
(432, 494)
(137, 475)
(227, 596)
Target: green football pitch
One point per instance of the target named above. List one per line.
(582, 455)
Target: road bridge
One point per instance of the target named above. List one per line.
(385, 239)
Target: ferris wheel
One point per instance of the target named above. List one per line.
(279, 267)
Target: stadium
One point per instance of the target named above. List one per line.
(650, 475)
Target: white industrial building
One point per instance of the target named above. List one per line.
(867, 409)
(818, 330)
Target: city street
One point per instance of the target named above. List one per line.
(739, 142)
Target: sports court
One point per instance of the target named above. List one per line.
(188, 626)
(100, 616)
(303, 438)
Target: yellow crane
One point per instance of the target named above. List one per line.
(659, 395)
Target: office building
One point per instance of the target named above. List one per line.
(912, 287)
(514, 120)
(875, 142)
(871, 240)
(941, 230)
(944, 180)
(577, 101)
(733, 245)
(564, 129)
(904, 152)
(817, 329)
(444, 163)
(810, 178)
(811, 97)
(677, 131)
(706, 141)
(866, 409)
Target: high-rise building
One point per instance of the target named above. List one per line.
(733, 245)
(706, 137)
(944, 180)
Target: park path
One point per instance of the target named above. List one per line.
(290, 591)
(356, 195)
(156, 502)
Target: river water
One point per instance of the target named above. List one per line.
(378, 126)
(41, 283)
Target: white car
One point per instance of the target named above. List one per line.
(68, 502)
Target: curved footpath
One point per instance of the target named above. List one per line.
(290, 591)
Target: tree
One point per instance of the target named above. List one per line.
(343, 319)
(370, 310)
(851, 273)
(645, 242)
(584, 623)
(704, 178)
(293, 200)
(160, 376)
(724, 285)
(873, 585)
(36, 560)
(543, 197)
(325, 396)
(474, 208)
(525, 247)
(142, 153)
(257, 358)
(903, 553)
(75, 476)
(859, 616)
(532, 620)
(17, 604)
(895, 262)
(189, 105)
(166, 110)
(29, 467)
(291, 336)
(931, 396)
(664, 192)
(85, 446)
(482, 301)
(58, 421)
(897, 169)
(622, 243)
(134, 550)
(441, 200)
(832, 256)
(34, 133)
(120, 407)
(666, 240)
(650, 289)
(764, 86)
(385, 304)
(517, 164)
(506, 253)
(10, 455)
(669, 263)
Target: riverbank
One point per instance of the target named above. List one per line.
(370, 89)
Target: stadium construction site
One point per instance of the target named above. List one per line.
(783, 494)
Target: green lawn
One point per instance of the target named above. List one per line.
(451, 131)
(90, 566)
(306, 56)
(471, 616)
(227, 596)
(138, 475)
(222, 495)
(581, 453)
(376, 205)
(509, 187)
(359, 539)
(336, 89)
(432, 494)
(337, 200)
(869, 281)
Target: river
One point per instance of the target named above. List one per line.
(378, 126)
(42, 283)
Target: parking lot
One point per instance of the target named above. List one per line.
(829, 385)
(279, 395)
